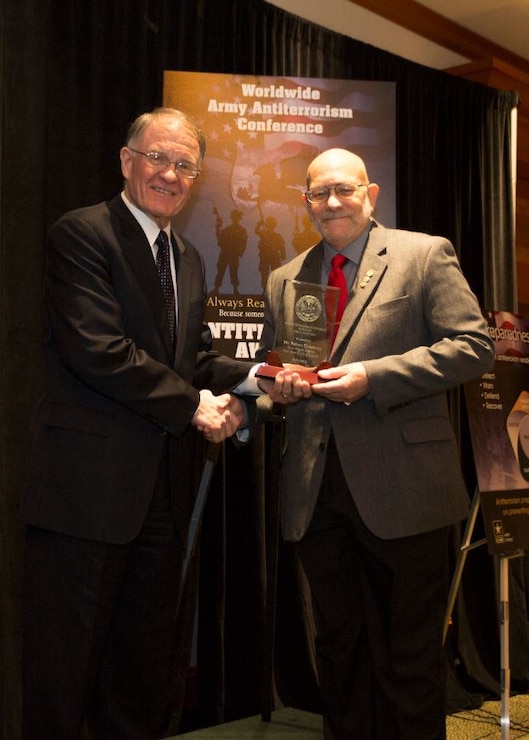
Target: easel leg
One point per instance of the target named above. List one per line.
(504, 642)
(504, 648)
(466, 546)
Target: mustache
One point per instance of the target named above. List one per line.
(332, 215)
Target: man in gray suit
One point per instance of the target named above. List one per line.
(371, 481)
(129, 381)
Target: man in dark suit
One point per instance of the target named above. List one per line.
(115, 451)
(371, 480)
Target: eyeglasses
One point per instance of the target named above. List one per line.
(160, 161)
(341, 191)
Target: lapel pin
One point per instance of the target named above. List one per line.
(368, 276)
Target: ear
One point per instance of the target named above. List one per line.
(125, 156)
(372, 193)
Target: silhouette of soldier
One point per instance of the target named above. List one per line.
(305, 237)
(271, 248)
(232, 243)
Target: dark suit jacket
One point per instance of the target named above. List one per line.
(115, 392)
(413, 321)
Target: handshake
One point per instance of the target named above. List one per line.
(218, 417)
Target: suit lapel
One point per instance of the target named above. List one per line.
(138, 254)
(184, 281)
(370, 272)
(310, 269)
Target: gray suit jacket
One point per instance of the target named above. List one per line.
(413, 321)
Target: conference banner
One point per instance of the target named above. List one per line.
(498, 410)
(246, 214)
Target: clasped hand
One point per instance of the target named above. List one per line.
(342, 384)
(218, 417)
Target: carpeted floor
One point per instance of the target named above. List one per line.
(485, 723)
(291, 724)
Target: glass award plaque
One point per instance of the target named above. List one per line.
(306, 318)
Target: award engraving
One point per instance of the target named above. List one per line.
(305, 321)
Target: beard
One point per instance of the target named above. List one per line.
(341, 227)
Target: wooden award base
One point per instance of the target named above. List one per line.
(273, 365)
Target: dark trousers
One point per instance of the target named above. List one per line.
(379, 609)
(102, 645)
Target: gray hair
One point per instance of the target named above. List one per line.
(144, 120)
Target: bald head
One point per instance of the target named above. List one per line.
(341, 198)
(335, 160)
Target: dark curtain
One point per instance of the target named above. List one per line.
(74, 74)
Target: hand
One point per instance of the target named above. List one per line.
(287, 387)
(217, 417)
(237, 414)
(343, 384)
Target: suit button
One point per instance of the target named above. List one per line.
(163, 433)
(321, 446)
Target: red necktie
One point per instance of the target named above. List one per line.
(337, 280)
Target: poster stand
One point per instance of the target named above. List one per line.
(503, 558)
(498, 413)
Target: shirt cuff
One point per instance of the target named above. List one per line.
(248, 386)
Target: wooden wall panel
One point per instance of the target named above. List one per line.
(490, 65)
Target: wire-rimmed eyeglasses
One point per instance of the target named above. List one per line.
(343, 191)
(160, 161)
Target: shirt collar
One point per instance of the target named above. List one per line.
(352, 251)
(150, 228)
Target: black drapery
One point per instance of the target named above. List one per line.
(74, 74)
